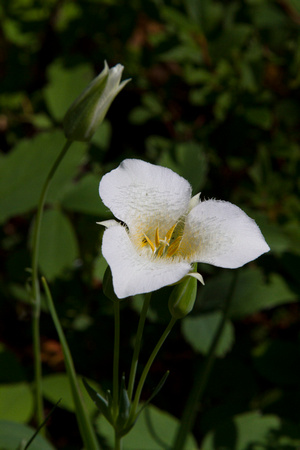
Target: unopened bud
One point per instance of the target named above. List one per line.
(89, 109)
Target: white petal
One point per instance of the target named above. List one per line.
(221, 234)
(145, 196)
(134, 273)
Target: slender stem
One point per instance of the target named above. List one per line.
(137, 345)
(116, 360)
(149, 363)
(201, 377)
(118, 442)
(36, 297)
(86, 430)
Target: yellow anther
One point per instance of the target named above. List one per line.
(174, 246)
(157, 238)
(170, 232)
(150, 243)
(160, 251)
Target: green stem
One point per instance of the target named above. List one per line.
(86, 430)
(149, 364)
(201, 378)
(116, 360)
(118, 442)
(137, 345)
(36, 297)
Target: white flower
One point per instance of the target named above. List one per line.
(163, 230)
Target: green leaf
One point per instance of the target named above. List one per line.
(252, 292)
(58, 244)
(245, 431)
(199, 332)
(192, 163)
(259, 116)
(11, 369)
(278, 361)
(84, 197)
(232, 38)
(65, 84)
(16, 402)
(189, 161)
(57, 386)
(153, 428)
(24, 170)
(274, 234)
(13, 434)
(268, 15)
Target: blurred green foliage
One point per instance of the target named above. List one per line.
(215, 96)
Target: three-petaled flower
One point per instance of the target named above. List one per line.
(162, 230)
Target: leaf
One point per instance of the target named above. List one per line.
(189, 161)
(245, 431)
(57, 387)
(13, 434)
(278, 361)
(24, 170)
(259, 116)
(199, 332)
(162, 429)
(84, 197)
(274, 234)
(252, 292)
(11, 369)
(16, 402)
(192, 163)
(65, 84)
(58, 244)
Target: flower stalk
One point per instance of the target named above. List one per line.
(36, 296)
(150, 362)
(137, 345)
(115, 403)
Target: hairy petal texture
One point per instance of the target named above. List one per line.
(145, 196)
(221, 234)
(132, 272)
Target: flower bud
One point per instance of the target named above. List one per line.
(89, 109)
(183, 296)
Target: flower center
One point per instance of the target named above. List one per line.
(168, 245)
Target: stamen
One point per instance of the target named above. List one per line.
(174, 246)
(170, 232)
(150, 243)
(157, 238)
(160, 251)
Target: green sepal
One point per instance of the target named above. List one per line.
(182, 298)
(108, 286)
(124, 406)
(101, 403)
